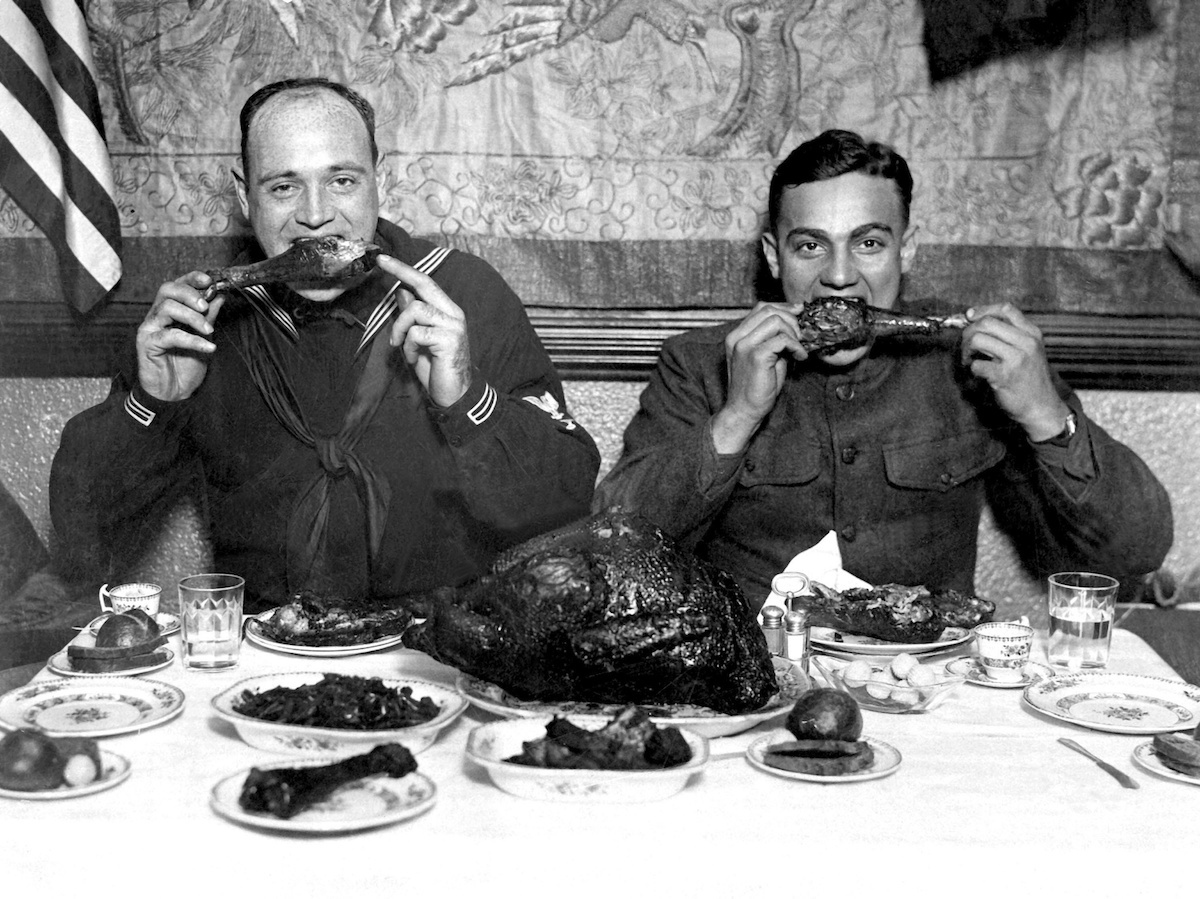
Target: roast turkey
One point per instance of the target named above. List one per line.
(610, 610)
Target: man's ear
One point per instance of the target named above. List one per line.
(770, 248)
(239, 185)
(908, 248)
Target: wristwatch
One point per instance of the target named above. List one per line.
(1063, 437)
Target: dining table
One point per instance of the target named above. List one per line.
(985, 800)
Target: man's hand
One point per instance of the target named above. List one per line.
(756, 356)
(172, 355)
(432, 330)
(1005, 349)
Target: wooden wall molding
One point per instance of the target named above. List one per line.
(1111, 352)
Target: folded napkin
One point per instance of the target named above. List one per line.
(821, 562)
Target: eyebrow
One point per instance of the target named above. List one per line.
(860, 231)
(331, 170)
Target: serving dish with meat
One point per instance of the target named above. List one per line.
(315, 796)
(316, 625)
(494, 747)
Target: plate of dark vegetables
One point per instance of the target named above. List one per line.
(316, 713)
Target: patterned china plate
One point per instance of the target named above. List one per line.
(832, 639)
(1146, 758)
(887, 760)
(90, 706)
(1031, 673)
(363, 804)
(254, 633)
(114, 770)
(60, 663)
(1117, 703)
(698, 719)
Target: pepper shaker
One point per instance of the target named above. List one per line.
(772, 628)
(795, 639)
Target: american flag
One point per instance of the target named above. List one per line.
(53, 159)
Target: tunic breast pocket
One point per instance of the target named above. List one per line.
(943, 463)
(774, 459)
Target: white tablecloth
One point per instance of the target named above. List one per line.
(986, 801)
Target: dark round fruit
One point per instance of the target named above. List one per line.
(823, 713)
(127, 629)
(29, 760)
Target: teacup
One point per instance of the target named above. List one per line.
(124, 597)
(1004, 649)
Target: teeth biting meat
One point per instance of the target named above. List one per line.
(312, 261)
(606, 610)
(892, 612)
(828, 324)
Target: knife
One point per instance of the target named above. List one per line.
(1122, 778)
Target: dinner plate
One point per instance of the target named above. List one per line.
(1031, 672)
(114, 769)
(1146, 758)
(698, 719)
(363, 804)
(833, 639)
(1117, 703)
(887, 760)
(167, 623)
(60, 663)
(254, 633)
(90, 706)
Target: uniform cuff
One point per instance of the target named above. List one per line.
(468, 417)
(146, 409)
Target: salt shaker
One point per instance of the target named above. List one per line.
(772, 628)
(795, 639)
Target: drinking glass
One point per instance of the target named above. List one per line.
(1081, 615)
(210, 612)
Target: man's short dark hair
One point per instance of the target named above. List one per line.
(306, 85)
(834, 153)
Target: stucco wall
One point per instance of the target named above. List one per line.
(1161, 427)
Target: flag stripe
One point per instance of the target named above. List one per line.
(28, 191)
(35, 129)
(63, 77)
(53, 159)
(52, 206)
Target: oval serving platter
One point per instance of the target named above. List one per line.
(1117, 703)
(91, 706)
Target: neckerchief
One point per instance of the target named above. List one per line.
(307, 525)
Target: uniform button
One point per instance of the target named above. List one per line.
(849, 454)
(456, 441)
(845, 391)
(945, 477)
(849, 533)
(749, 465)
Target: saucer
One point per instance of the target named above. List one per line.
(1031, 672)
